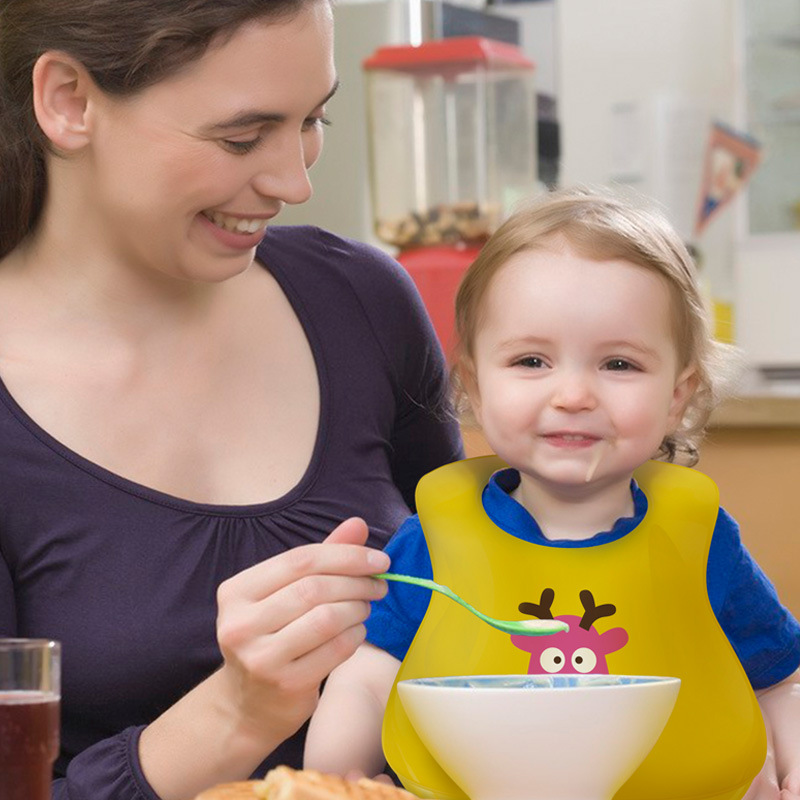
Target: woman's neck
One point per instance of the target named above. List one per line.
(72, 280)
(575, 515)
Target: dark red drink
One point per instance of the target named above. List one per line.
(29, 728)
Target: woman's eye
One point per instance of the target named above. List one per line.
(315, 122)
(240, 148)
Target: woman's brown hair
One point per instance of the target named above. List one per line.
(125, 45)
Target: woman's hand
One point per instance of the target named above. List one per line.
(282, 625)
(285, 623)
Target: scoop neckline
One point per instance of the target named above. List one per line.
(162, 498)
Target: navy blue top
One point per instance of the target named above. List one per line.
(126, 576)
(765, 636)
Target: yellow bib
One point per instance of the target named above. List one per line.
(644, 603)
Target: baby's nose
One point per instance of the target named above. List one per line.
(574, 392)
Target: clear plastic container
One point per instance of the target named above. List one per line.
(452, 139)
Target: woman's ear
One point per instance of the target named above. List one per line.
(685, 387)
(61, 90)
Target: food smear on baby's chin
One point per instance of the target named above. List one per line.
(599, 452)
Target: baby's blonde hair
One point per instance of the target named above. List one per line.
(601, 225)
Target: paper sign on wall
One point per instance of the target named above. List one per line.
(731, 158)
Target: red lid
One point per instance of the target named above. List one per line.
(462, 52)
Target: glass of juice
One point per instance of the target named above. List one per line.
(30, 695)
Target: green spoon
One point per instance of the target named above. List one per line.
(526, 627)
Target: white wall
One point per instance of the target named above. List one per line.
(639, 83)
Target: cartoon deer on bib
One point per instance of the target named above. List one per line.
(581, 648)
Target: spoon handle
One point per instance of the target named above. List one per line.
(435, 587)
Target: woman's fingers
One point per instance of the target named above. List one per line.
(286, 607)
(312, 666)
(269, 596)
(285, 623)
(341, 554)
(295, 600)
(352, 531)
(264, 652)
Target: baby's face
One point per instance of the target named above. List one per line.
(575, 361)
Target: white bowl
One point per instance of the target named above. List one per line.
(539, 737)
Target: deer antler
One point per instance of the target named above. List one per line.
(542, 610)
(592, 613)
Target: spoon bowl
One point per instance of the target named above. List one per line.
(524, 627)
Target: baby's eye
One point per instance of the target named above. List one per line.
(531, 362)
(619, 365)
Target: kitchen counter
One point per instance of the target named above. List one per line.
(758, 412)
(752, 451)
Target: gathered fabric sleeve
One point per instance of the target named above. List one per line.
(762, 631)
(426, 432)
(109, 770)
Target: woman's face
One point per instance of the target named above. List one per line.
(185, 176)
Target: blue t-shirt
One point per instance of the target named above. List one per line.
(765, 636)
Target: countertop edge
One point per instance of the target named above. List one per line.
(757, 412)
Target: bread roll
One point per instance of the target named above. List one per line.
(285, 783)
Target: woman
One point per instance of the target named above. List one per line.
(191, 399)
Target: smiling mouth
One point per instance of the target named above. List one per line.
(571, 437)
(241, 225)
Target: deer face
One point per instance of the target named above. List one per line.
(581, 648)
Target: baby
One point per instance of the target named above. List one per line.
(585, 356)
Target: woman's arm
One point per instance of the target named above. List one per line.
(283, 625)
(780, 705)
(345, 732)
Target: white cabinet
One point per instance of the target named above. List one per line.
(767, 274)
(640, 81)
(771, 84)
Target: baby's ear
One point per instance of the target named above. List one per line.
(468, 382)
(685, 387)
(61, 88)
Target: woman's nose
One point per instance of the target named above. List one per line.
(284, 174)
(574, 392)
